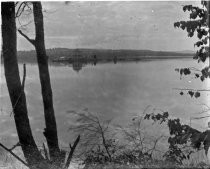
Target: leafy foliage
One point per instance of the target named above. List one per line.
(175, 154)
(198, 24)
(183, 140)
(157, 117)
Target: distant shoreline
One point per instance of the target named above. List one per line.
(121, 59)
(100, 55)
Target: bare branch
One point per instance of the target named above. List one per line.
(23, 7)
(32, 41)
(197, 118)
(45, 153)
(204, 111)
(103, 139)
(28, 6)
(20, 9)
(16, 3)
(195, 69)
(71, 152)
(16, 145)
(201, 90)
(18, 158)
(155, 144)
(23, 26)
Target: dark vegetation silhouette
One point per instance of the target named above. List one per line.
(198, 24)
(183, 140)
(34, 159)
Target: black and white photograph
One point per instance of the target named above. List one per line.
(105, 84)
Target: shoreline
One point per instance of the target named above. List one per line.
(119, 59)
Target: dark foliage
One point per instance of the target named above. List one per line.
(157, 117)
(180, 136)
(198, 24)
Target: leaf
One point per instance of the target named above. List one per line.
(197, 75)
(199, 43)
(177, 69)
(197, 94)
(193, 15)
(191, 93)
(176, 24)
(190, 34)
(202, 78)
(183, 27)
(181, 71)
(187, 71)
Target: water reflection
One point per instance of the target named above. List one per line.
(77, 65)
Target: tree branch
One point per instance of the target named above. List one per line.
(24, 76)
(18, 158)
(19, 10)
(32, 41)
(197, 118)
(104, 140)
(45, 153)
(16, 145)
(28, 6)
(201, 90)
(155, 144)
(71, 152)
(16, 3)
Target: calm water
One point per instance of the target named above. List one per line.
(115, 91)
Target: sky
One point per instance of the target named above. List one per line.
(112, 25)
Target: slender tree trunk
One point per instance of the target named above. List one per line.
(208, 21)
(16, 93)
(51, 127)
(57, 156)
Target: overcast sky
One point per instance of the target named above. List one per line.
(113, 25)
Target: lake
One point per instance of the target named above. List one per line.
(114, 91)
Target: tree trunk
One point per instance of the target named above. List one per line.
(57, 156)
(51, 128)
(16, 93)
(208, 21)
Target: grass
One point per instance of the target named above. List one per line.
(10, 163)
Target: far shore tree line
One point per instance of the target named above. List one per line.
(66, 54)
